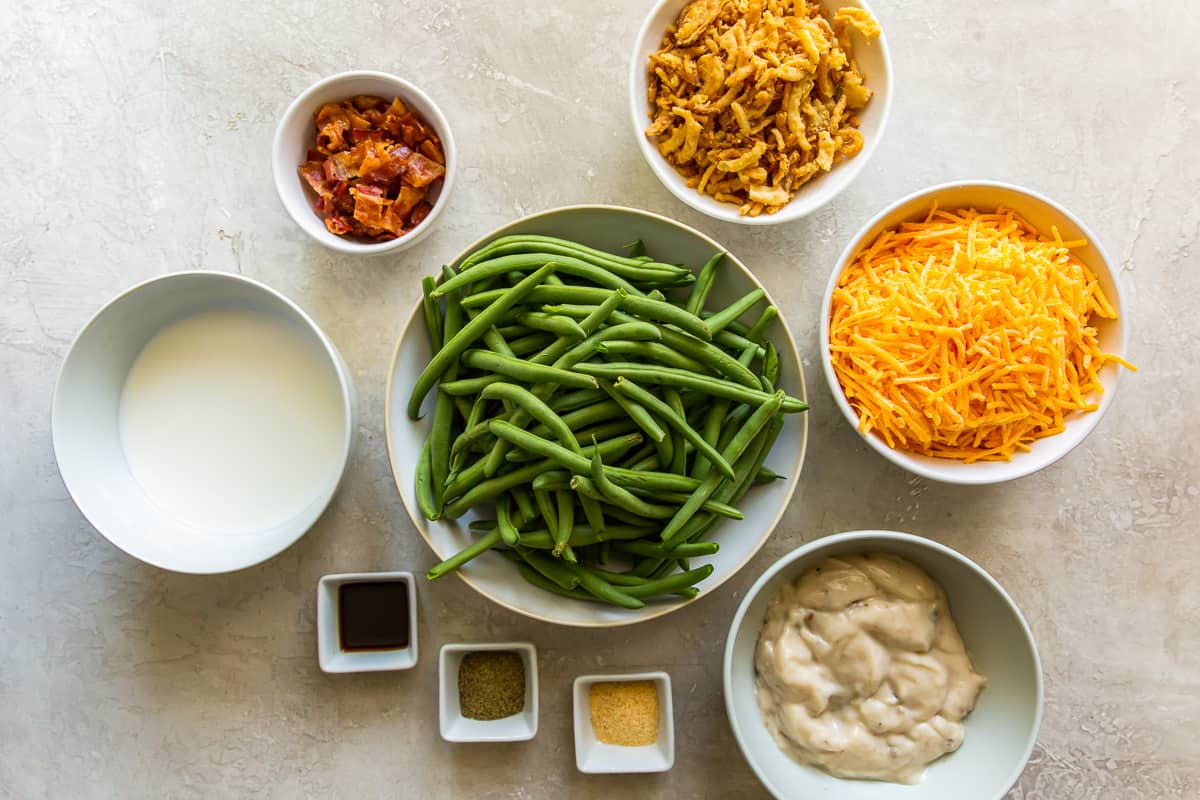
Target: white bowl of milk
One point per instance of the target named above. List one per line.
(202, 421)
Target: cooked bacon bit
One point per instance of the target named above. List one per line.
(419, 213)
(423, 171)
(374, 165)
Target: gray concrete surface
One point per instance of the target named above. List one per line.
(136, 137)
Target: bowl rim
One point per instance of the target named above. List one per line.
(714, 581)
(715, 210)
(957, 472)
(404, 89)
(814, 547)
(330, 351)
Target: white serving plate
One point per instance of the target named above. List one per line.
(611, 228)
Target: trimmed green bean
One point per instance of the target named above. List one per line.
(504, 523)
(424, 485)
(433, 315)
(604, 590)
(636, 412)
(732, 452)
(580, 465)
(523, 262)
(720, 320)
(622, 497)
(557, 324)
(549, 567)
(454, 347)
(681, 379)
(534, 407)
(565, 506)
(653, 550)
(476, 548)
(531, 343)
(703, 284)
(669, 585)
(524, 371)
(652, 351)
(675, 419)
(443, 409)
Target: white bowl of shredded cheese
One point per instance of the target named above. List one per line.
(999, 733)
(882, 356)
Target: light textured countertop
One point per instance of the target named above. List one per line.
(136, 141)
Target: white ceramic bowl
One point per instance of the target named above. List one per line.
(296, 134)
(873, 59)
(1041, 212)
(592, 755)
(610, 228)
(455, 727)
(88, 440)
(1002, 729)
(330, 654)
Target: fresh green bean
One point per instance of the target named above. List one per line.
(579, 398)
(669, 585)
(651, 351)
(703, 284)
(720, 320)
(520, 370)
(469, 386)
(476, 548)
(565, 505)
(657, 310)
(524, 262)
(535, 408)
(524, 502)
(585, 536)
(531, 343)
(636, 412)
(766, 475)
(653, 550)
(580, 465)
(473, 491)
(593, 511)
(535, 578)
(443, 409)
(549, 567)
(557, 324)
(509, 244)
(545, 505)
(424, 485)
(603, 590)
(675, 419)
(454, 347)
(433, 315)
(622, 497)
(732, 452)
(682, 379)
(504, 523)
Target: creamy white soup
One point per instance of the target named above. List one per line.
(860, 669)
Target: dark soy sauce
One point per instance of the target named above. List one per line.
(373, 615)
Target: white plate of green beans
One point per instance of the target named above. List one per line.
(595, 415)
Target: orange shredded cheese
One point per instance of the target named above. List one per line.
(968, 335)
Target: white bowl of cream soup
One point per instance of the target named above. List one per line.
(894, 616)
(202, 421)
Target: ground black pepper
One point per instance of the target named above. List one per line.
(491, 684)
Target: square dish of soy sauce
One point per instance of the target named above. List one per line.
(367, 621)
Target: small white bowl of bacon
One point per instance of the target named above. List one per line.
(364, 162)
(973, 332)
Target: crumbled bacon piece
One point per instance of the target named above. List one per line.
(373, 168)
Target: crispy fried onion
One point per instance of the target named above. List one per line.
(751, 99)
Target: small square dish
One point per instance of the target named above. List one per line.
(483, 696)
(618, 715)
(367, 622)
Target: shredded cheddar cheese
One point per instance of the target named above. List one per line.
(968, 335)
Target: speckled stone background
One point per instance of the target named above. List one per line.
(136, 137)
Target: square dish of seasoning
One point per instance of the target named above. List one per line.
(624, 723)
(367, 622)
(488, 692)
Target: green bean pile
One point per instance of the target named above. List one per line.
(606, 421)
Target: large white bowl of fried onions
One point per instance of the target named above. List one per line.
(759, 111)
(973, 332)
